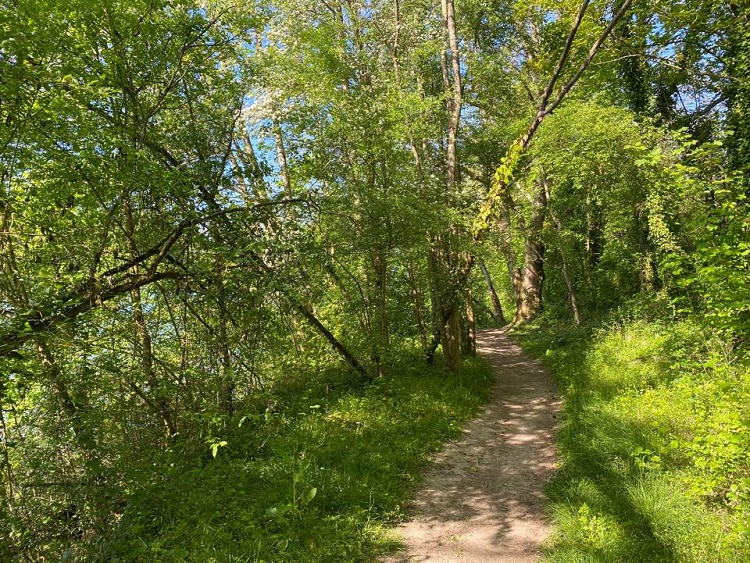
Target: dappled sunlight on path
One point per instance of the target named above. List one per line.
(482, 501)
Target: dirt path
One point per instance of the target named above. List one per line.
(482, 499)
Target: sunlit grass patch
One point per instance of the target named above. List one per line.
(627, 358)
(687, 530)
(654, 441)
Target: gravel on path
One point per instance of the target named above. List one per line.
(482, 499)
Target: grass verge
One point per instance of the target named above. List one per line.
(311, 471)
(654, 444)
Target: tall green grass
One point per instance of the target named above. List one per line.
(654, 444)
(313, 470)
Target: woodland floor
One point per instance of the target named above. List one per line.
(482, 499)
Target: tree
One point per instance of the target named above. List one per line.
(529, 285)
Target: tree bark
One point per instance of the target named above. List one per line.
(506, 247)
(227, 379)
(451, 342)
(20, 299)
(545, 107)
(286, 181)
(65, 400)
(533, 273)
(448, 312)
(328, 335)
(9, 479)
(416, 297)
(381, 345)
(470, 336)
(456, 100)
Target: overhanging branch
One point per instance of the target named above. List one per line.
(504, 173)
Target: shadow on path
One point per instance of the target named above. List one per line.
(482, 500)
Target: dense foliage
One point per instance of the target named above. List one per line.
(225, 229)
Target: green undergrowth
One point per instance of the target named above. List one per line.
(654, 442)
(313, 470)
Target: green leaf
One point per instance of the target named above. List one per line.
(215, 447)
(310, 495)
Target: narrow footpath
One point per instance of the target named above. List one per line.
(482, 500)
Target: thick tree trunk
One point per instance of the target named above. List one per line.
(444, 298)
(451, 339)
(448, 312)
(533, 274)
(470, 335)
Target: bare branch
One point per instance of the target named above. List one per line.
(504, 173)
(592, 53)
(563, 55)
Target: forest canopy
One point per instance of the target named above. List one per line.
(202, 203)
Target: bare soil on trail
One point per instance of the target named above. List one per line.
(482, 499)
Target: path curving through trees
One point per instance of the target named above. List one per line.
(482, 500)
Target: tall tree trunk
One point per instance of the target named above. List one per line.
(589, 259)
(470, 336)
(381, 311)
(448, 315)
(395, 54)
(286, 181)
(396, 40)
(146, 352)
(227, 379)
(67, 404)
(438, 283)
(9, 479)
(20, 298)
(456, 99)
(506, 243)
(451, 341)
(497, 308)
(533, 273)
(444, 298)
